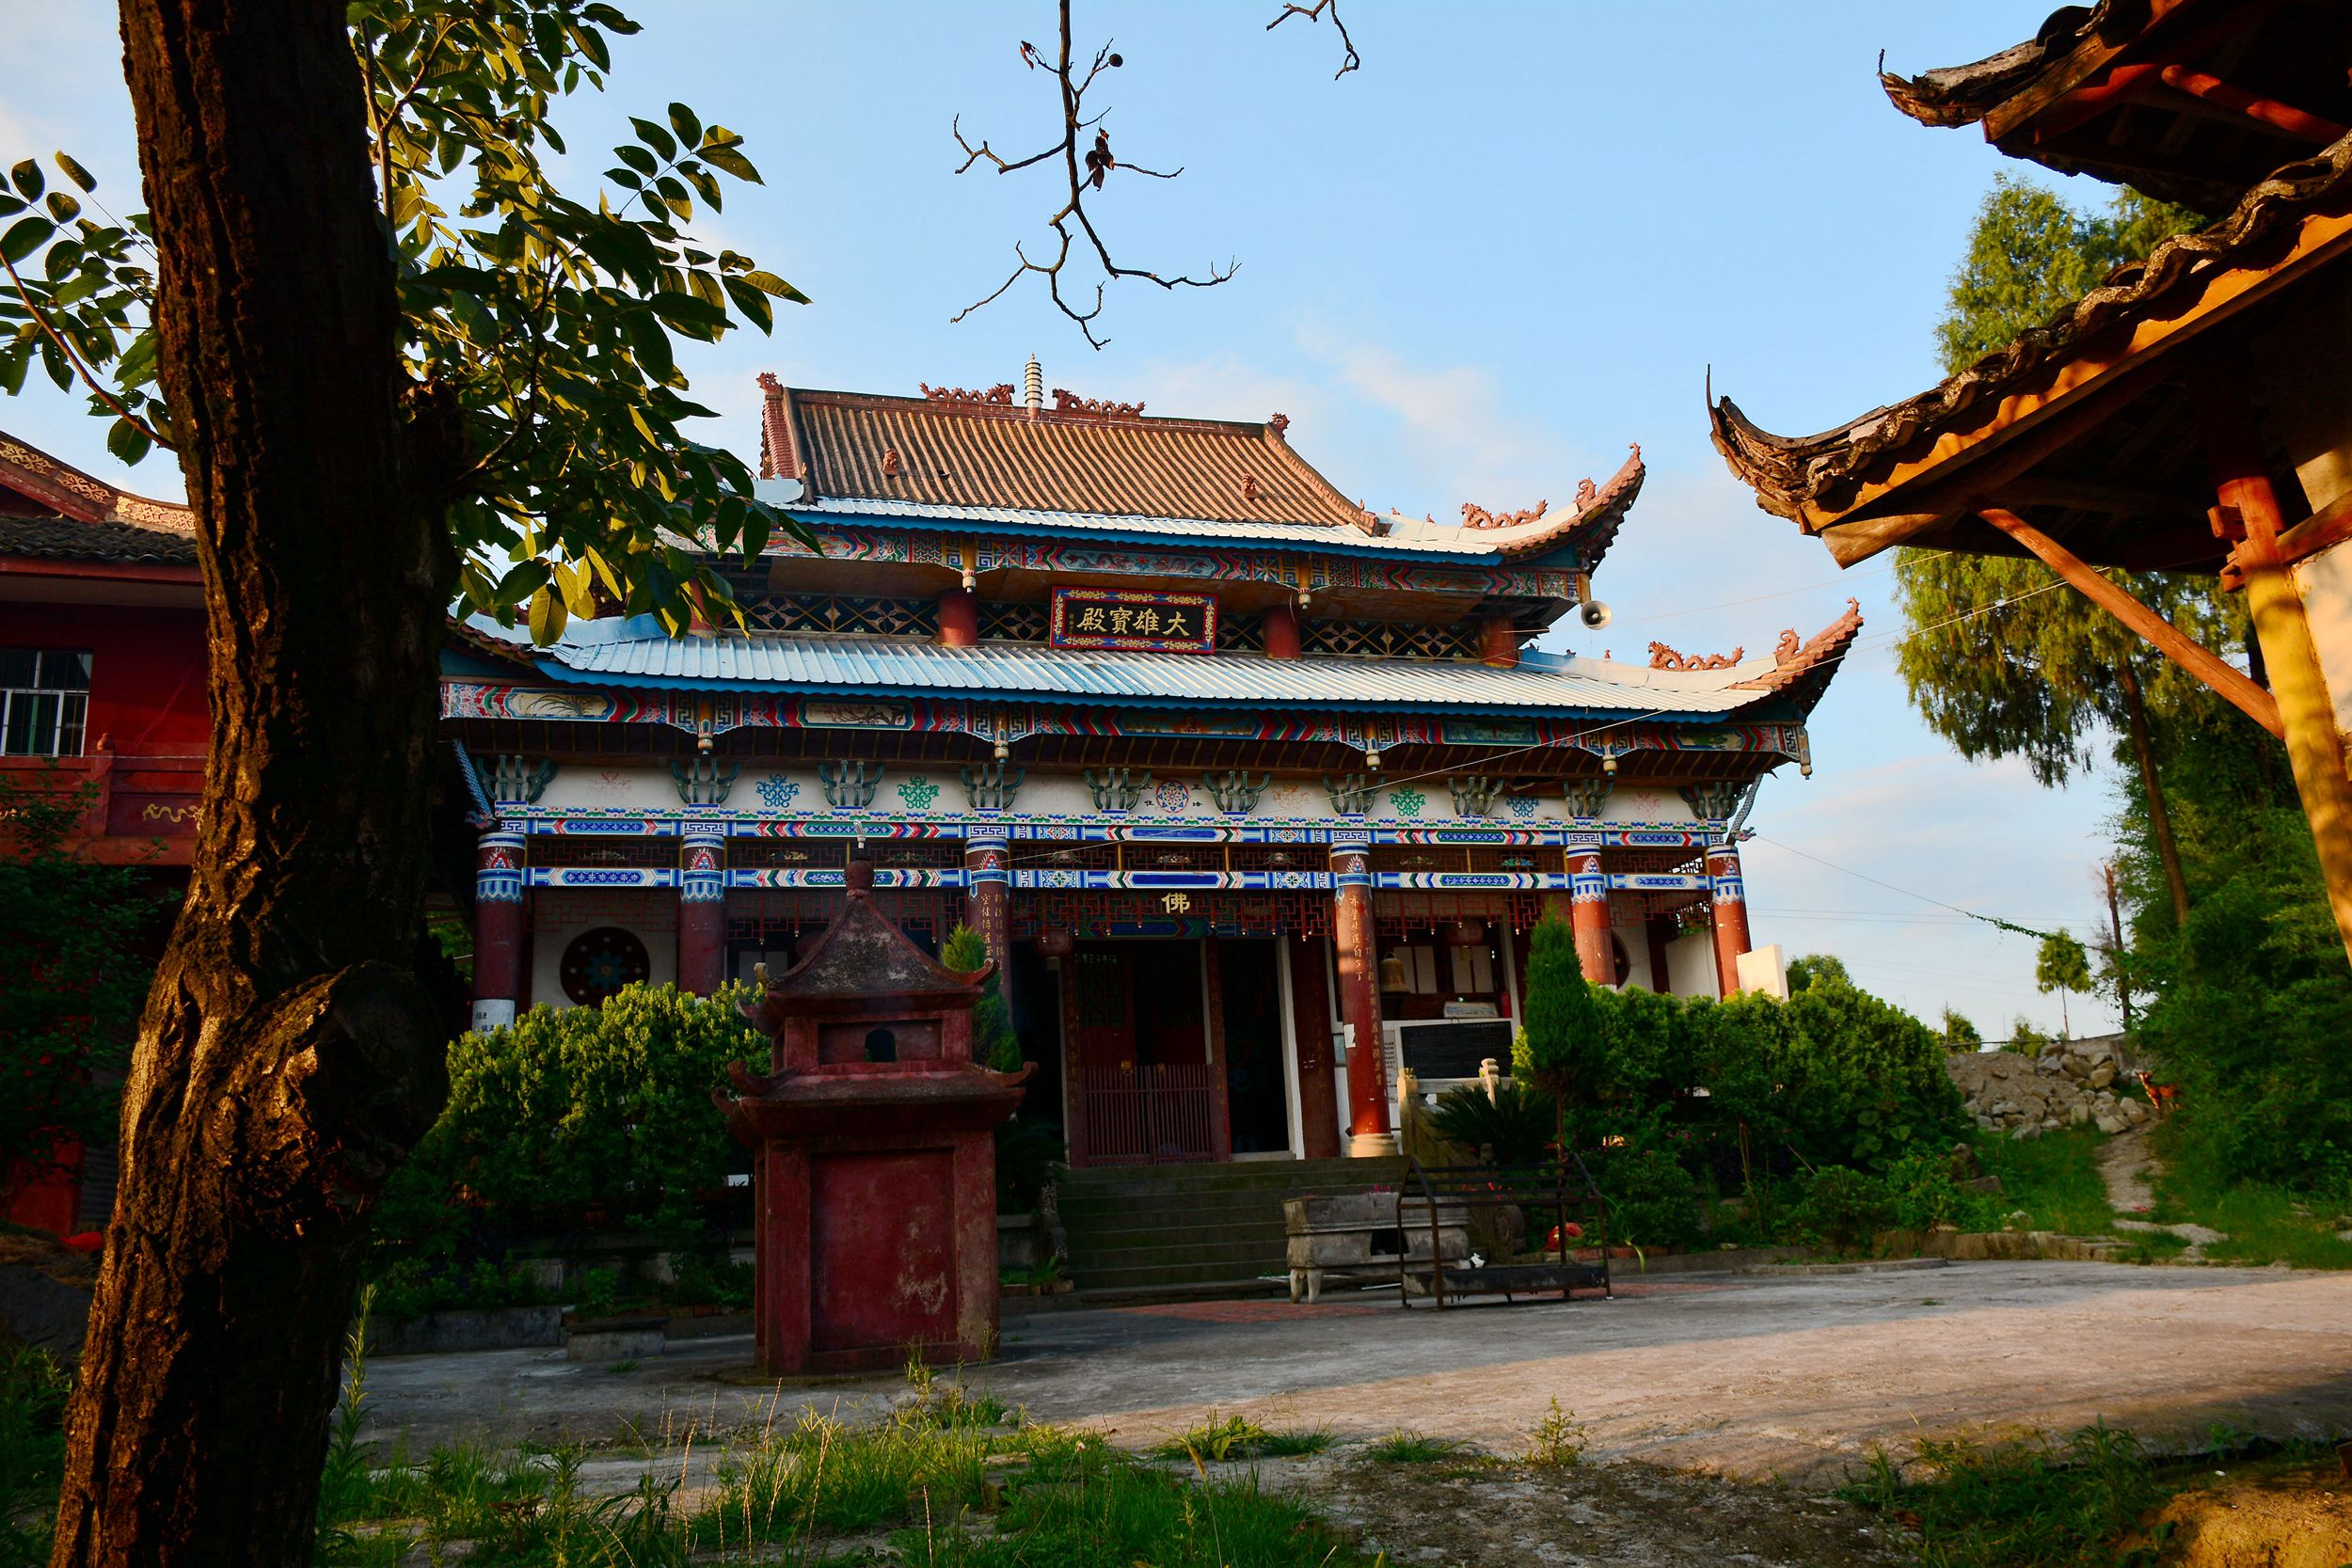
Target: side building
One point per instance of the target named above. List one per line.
(1254, 793)
(102, 696)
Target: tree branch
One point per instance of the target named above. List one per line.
(89, 377)
(1085, 170)
(1315, 13)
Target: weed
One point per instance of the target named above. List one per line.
(2263, 1224)
(1238, 1438)
(598, 1290)
(2019, 1505)
(2054, 1179)
(1559, 1440)
(620, 1368)
(1412, 1447)
(2154, 1247)
(344, 1491)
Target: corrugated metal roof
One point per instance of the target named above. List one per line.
(883, 668)
(1422, 538)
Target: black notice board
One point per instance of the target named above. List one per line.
(1453, 1049)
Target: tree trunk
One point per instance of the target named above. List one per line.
(2108, 882)
(289, 1055)
(2159, 819)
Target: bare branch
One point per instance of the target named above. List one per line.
(1086, 169)
(1315, 13)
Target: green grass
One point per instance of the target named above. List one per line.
(2019, 1505)
(32, 1451)
(1413, 1448)
(2265, 1224)
(1215, 1441)
(2054, 1178)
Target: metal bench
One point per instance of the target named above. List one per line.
(1557, 1203)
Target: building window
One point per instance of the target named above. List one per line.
(44, 700)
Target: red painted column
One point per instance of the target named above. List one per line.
(1281, 631)
(1220, 1085)
(1731, 914)
(1661, 929)
(987, 904)
(958, 619)
(1310, 1021)
(1356, 947)
(701, 913)
(1498, 642)
(1588, 913)
(497, 927)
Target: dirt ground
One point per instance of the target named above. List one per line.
(1721, 1413)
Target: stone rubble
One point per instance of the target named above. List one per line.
(2068, 1085)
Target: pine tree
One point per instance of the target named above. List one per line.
(1563, 1032)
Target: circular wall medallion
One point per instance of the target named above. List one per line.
(600, 962)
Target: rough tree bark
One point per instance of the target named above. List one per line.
(2159, 819)
(289, 1055)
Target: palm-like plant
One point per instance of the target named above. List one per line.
(1515, 1128)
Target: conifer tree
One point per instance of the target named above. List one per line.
(2003, 660)
(1563, 1030)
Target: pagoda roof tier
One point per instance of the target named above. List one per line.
(2080, 418)
(2192, 100)
(635, 654)
(963, 458)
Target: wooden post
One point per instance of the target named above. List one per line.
(1588, 916)
(2314, 748)
(1730, 911)
(1213, 1030)
(2162, 635)
(958, 619)
(1357, 949)
(701, 913)
(988, 905)
(1280, 626)
(1311, 1010)
(497, 927)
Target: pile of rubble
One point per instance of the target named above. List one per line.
(2066, 1085)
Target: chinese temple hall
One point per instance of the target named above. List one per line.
(1254, 794)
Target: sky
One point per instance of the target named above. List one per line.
(1518, 238)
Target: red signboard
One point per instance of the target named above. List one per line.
(1133, 620)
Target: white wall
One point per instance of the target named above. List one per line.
(558, 915)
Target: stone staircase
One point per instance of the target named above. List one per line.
(1183, 1228)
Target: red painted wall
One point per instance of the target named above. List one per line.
(146, 672)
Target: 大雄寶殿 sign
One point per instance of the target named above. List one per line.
(1133, 620)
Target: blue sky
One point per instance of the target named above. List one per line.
(1515, 241)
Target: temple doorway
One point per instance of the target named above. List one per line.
(1139, 1034)
(1250, 1008)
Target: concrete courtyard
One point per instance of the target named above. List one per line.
(1794, 1375)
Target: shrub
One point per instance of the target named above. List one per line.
(1653, 1202)
(565, 1114)
(1922, 1194)
(1516, 1127)
(1563, 1035)
(1843, 1207)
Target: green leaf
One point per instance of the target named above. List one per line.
(727, 158)
(14, 360)
(690, 129)
(753, 304)
(654, 136)
(127, 441)
(650, 343)
(637, 159)
(76, 173)
(27, 178)
(25, 236)
(769, 283)
(548, 617)
(9, 206)
(689, 314)
(63, 207)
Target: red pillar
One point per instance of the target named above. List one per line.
(1281, 631)
(988, 905)
(701, 913)
(497, 927)
(1220, 1085)
(1310, 1021)
(1589, 914)
(958, 619)
(1660, 929)
(1498, 642)
(1731, 915)
(1356, 947)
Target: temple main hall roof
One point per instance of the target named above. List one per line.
(635, 654)
(984, 457)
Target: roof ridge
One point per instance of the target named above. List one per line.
(83, 497)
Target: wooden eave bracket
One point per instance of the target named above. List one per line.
(2161, 634)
